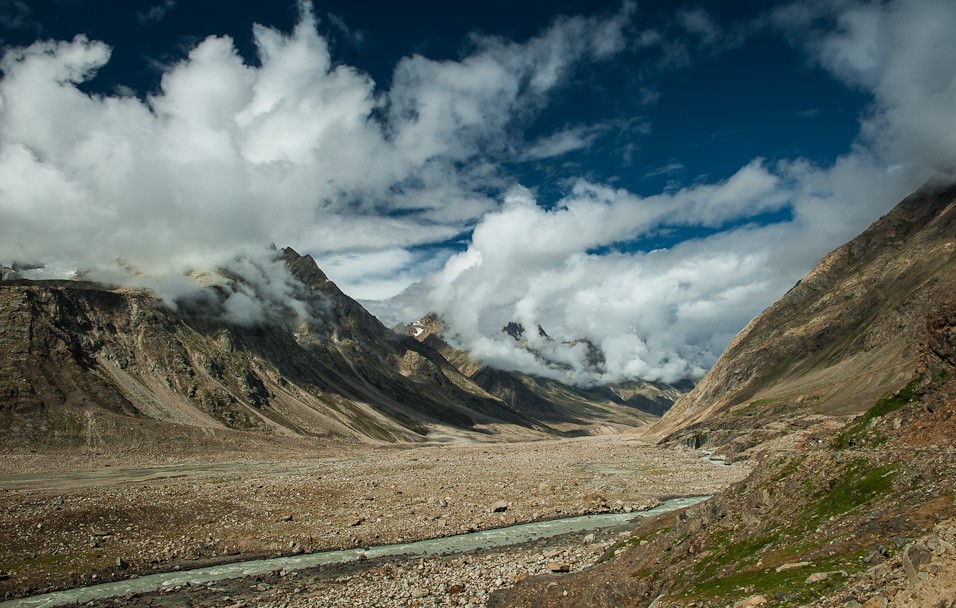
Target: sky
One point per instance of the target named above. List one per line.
(646, 175)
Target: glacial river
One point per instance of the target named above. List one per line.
(449, 545)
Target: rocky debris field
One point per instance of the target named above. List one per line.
(464, 580)
(63, 528)
(920, 572)
(913, 573)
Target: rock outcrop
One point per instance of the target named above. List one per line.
(77, 359)
(841, 338)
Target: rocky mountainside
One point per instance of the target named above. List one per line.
(841, 338)
(83, 362)
(839, 510)
(572, 409)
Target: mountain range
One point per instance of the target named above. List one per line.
(81, 361)
(842, 395)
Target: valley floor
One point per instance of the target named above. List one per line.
(73, 519)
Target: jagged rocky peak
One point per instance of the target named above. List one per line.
(72, 351)
(594, 358)
(7, 273)
(513, 329)
(516, 331)
(304, 268)
(430, 325)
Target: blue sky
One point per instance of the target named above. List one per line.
(649, 175)
(652, 123)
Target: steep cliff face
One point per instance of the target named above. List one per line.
(841, 338)
(73, 351)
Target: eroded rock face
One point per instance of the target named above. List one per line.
(70, 350)
(938, 348)
(841, 338)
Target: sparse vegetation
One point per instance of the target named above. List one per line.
(858, 484)
(855, 432)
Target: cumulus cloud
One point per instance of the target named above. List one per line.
(294, 148)
(230, 154)
(579, 269)
(698, 22)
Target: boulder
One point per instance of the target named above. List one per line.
(500, 507)
(914, 556)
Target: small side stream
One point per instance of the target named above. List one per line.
(708, 457)
(462, 543)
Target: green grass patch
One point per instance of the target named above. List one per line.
(859, 484)
(886, 405)
(726, 551)
(789, 584)
(618, 548)
(738, 567)
(786, 467)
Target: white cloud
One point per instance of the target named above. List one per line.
(381, 273)
(562, 142)
(156, 13)
(697, 21)
(228, 156)
(668, 313)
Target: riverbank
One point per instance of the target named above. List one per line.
(64, 529)
(493, 540)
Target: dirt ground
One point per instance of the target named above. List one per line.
(70, 521)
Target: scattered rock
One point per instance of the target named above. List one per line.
(455, 589)
(420, 592)
(817, 577)
(914, 556)
(122, 563)
(500, 507)
(559, 566)
(792, 565)
(751, 602)
(878, 601)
